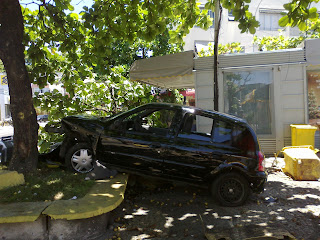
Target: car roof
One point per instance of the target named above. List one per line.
(194, 109)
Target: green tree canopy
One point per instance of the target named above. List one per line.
(89, 45)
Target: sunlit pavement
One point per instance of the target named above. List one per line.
(182, 212)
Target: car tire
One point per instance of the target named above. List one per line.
(80, 158)
(230, 189)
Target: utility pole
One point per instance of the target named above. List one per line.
(217, 21)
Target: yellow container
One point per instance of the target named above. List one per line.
(301, 163)
(302, 134)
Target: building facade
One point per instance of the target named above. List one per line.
(269, 89)
(267, 12)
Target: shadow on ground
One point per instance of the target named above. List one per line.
(165, 211)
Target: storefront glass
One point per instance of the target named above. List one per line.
(313, 75)
(247, 95)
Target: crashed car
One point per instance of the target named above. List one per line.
(42, 118)
(6, 148)
(174, 142)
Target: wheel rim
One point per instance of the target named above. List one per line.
(81, 161)
(231, 190)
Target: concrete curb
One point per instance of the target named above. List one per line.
(105, 196)
(64, 219)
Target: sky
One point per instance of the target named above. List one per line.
(78, 4)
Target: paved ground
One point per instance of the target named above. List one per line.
(164, 211)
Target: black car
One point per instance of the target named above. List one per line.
(174, 142)
(6, 148)
(42, 118)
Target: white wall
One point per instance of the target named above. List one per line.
(292, 99)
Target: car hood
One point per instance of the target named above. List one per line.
(89, 123)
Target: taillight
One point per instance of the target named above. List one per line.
(251, 146)
(261, 162)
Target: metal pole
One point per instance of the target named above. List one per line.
(217, 19)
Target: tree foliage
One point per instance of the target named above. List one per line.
(94, 49)
(222, 49)
(91, 45)
(270, 43)
(298, 13)
(240, 11)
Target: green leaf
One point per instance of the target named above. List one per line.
(313, 13)
(70, 7)
(74, 16)
(302, 26)
(283, 21)
(252, 30)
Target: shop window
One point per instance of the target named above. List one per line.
(247, 95)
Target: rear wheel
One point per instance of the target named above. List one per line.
(230, 189)
(80, 158)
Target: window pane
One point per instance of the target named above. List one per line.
(222, 132)
(196, 127)
(148, 121)
(269, 21)
(160, 119)
(204, 125)
(247, 95)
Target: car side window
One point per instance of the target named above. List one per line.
(196, 127)
(153, 121)
(222, 132)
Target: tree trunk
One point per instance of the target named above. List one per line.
(25, 152)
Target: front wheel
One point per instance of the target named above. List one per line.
(230, 189)
(80, 158)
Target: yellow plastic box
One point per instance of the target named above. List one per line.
(302, 134)
(301, 163)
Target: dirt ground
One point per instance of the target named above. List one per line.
(166, 211)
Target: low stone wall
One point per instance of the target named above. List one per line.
(85, 218)
(45, 228)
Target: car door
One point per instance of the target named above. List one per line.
(140, 146)
(200, 146)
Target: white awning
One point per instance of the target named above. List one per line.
(169, 71)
